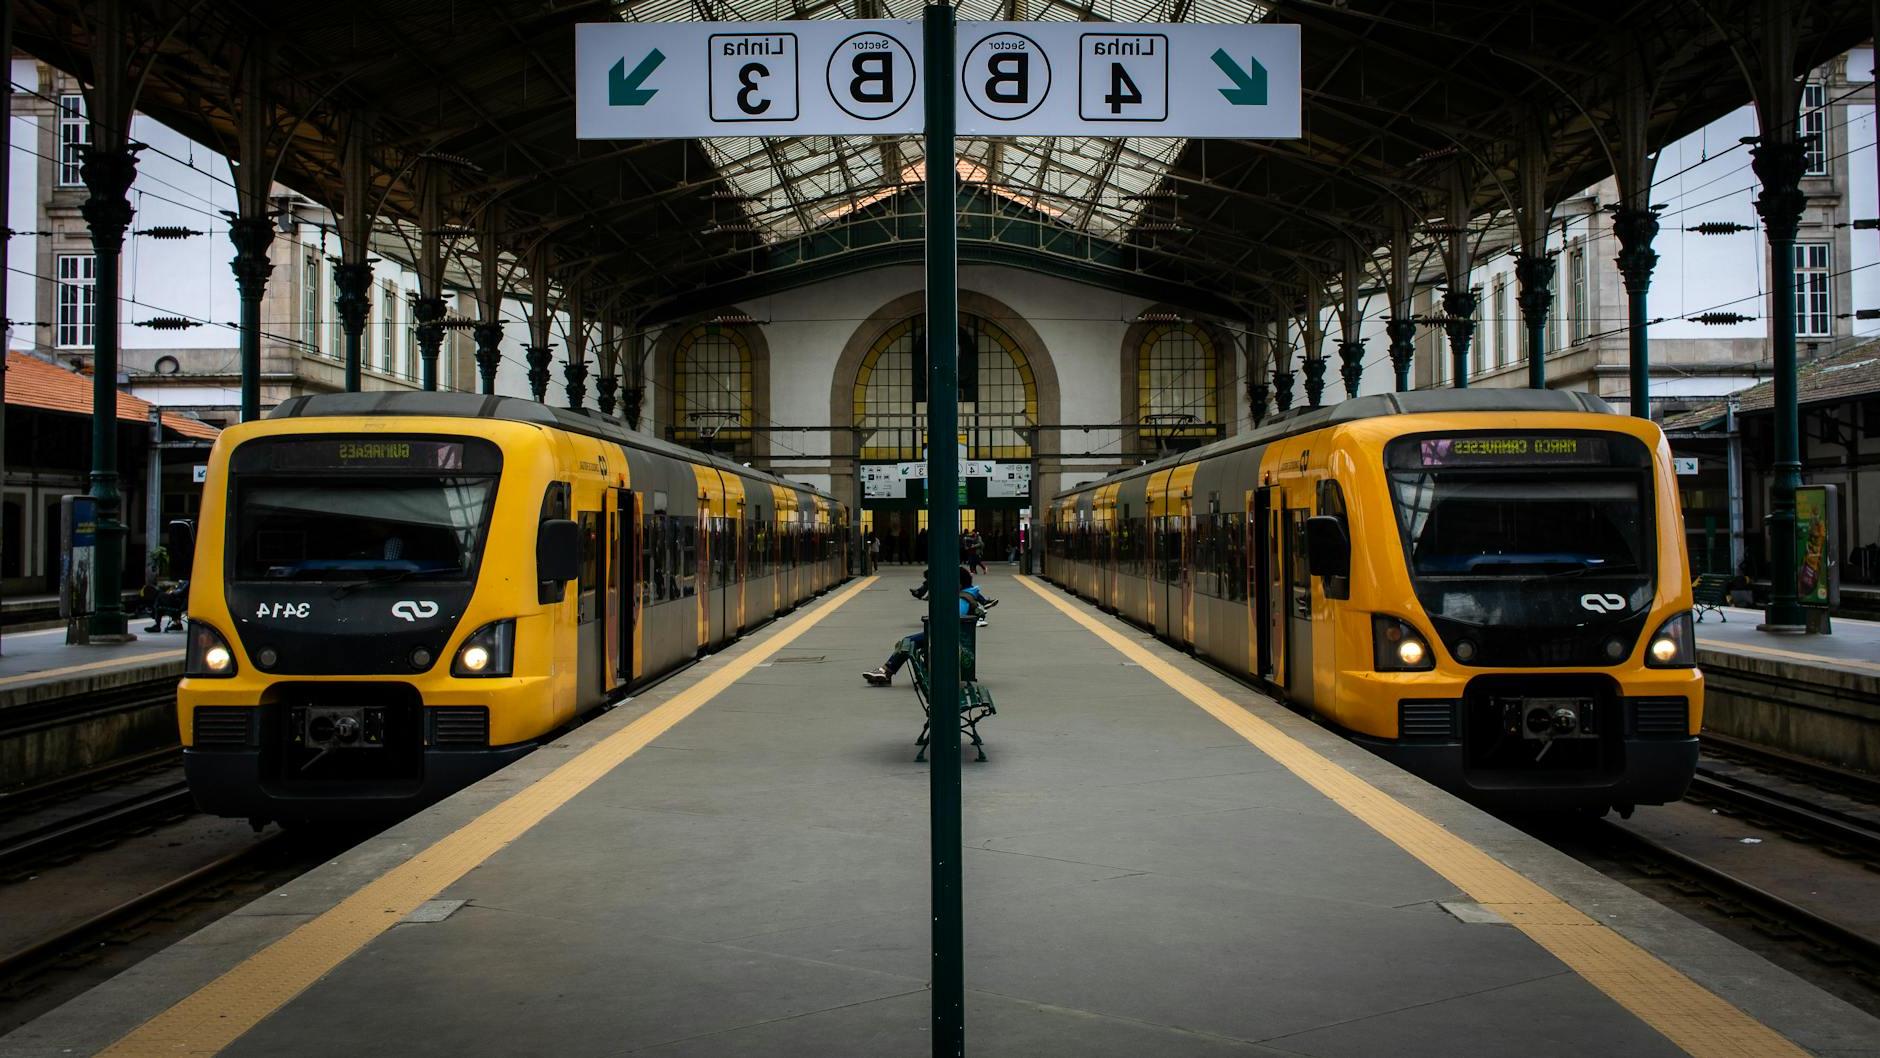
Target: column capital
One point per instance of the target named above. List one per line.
(1351, 368)
(1635, 230)
(107, 210)
(489, 337)
(1779, 165)
(1315, 381)
(538, 357)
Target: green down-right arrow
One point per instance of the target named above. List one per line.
(1249, 85)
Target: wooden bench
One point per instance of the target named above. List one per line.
(1710, 592)
(975, 701)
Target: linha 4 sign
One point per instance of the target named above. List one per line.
(686, 79)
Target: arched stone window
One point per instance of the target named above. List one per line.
(998, 393)
(711, 389)
(1177, 369)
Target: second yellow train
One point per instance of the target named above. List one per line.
(1488, 587)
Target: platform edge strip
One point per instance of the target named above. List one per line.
(221, 1011)
(1697, 1020)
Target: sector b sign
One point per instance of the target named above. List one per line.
(640, 80)
(833, 78)
(1085, 79)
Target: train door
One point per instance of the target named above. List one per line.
(1190, 552)
(1297, 597)
(740, 566)
(623, 596)
(1259, 564)
(591, 679)
(1275, 594)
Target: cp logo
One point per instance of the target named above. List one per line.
(1603, 603)
(412, 609)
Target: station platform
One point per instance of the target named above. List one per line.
(1817, 696)
(1159, 861)
(39, 666)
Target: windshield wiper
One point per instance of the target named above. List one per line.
(1581, 570)
(388, 577)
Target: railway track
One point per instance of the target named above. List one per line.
(152, 801)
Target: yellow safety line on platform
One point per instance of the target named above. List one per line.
(1725, 646)
(119, 662)
(215, 1015)
(1689, 1015)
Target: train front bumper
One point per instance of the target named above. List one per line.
(250, 755)
(1645, 752)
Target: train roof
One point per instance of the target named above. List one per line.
(1415, 402)
(511, 409)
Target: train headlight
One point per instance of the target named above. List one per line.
(1396, 646)
(489, 651)
(1674, 645)
(209, 654)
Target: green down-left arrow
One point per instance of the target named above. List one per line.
(623, 88)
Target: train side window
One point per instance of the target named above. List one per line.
(590, 550)
(1332, 502)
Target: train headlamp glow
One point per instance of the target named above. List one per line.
(1396, 646)
(209, 654)
(489, 651)
(1674, 645)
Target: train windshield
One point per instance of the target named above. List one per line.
(1471, 524)
(356, 528)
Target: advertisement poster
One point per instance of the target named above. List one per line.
(1818, 582)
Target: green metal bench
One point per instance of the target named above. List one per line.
(1710, 592)
(975, 701)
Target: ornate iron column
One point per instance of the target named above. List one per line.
(1459, 324)
(352, 280)
(1282, 360)
(354, 301)
(608, 399)
(1403, 348)
(1635, 229)
(539, 356)
(107, 211)
(1315, 381)
(609, 359)
(1259, 354)
(429, 312)
(1351, 353)
(575, 371)
(1779, 165)
(1779, 162)
(489, 338)
(1535, 273)
(633, 355)
(252, 236)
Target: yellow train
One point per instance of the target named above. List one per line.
(1488, 587)
(396, 594)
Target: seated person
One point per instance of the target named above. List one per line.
(973, 604)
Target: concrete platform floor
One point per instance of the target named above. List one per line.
(31, 658)
(1854, 645)
(1141, 879)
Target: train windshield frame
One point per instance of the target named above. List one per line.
(1501, 508)
(360, 509)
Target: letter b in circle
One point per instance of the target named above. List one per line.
(1006, 76)
(871, 76)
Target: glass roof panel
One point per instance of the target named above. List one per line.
(785, 187)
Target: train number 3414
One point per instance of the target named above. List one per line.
(284, 609)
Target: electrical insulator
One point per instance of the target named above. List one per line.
(1720, 319)
(1719, 227)
(169, 231)
(169, 323)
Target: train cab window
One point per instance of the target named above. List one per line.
(685, 575)
(1332, 502)
(555, 504)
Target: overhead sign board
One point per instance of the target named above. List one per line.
(1129, 79)
(649, 80)
(640, 80)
